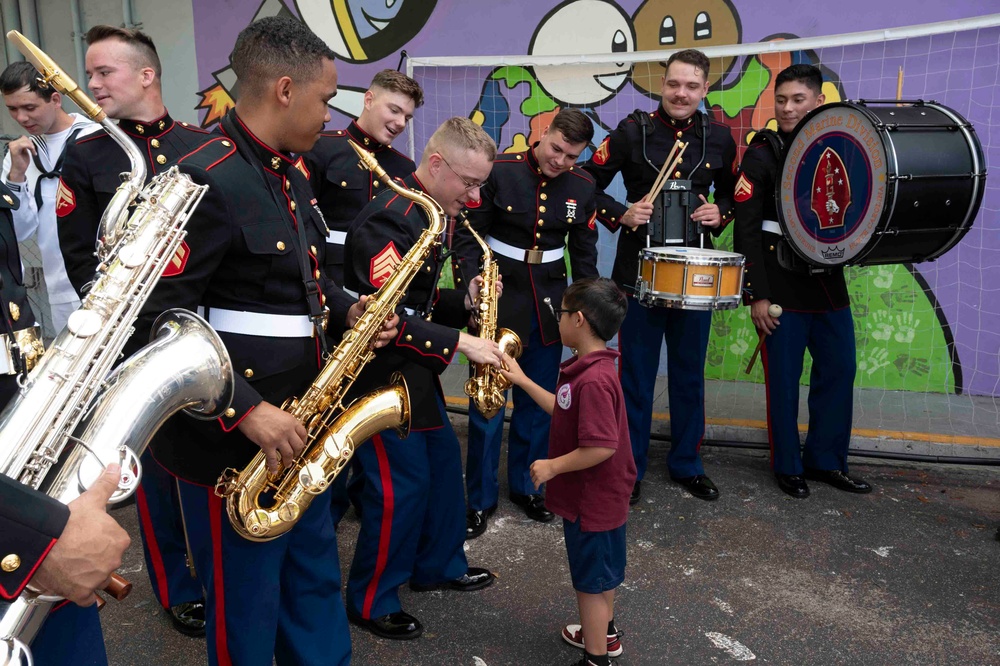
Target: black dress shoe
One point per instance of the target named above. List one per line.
(534, 507)
(793, 485)
(633, 499)
(476, 522)
(189, 617)
(398, 626)
(700, 486)
(476, 578)
(839, 480)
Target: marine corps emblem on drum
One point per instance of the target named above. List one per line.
(880, 183)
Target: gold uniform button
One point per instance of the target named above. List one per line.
(155, 143)
(569, 220)
(288, 186)
(771, 248)
(520, 157)
(343, 183)
(312, 248)
(409, 338)
(161, 159)
(15, 311)
(292, 205)
(543, 196)
(446, 351)
(538, 235)
(427, 344)
(603, 211)
(248, 373)
(8, 199)
(224, 142)
(510, 208)
(544, 183)
(541, 209)
(707, 165)
(534, 247)
(375, 183)
(316, 274)
(280, 245)
(679, 134)
(10, 563)
(677, 174)
(230, 413)
(541, 222)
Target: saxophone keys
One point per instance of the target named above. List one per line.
(312, 478)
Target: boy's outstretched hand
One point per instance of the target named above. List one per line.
(541, 471)
(512, 371)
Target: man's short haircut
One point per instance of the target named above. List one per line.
(692, 57)
(397, 82)
(461, 134)
(277, 46)
(22, 74)
(602, 303)
(808, 75)
(574, 125)
(140, 42)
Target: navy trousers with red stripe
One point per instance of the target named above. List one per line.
(279, 597)
(162, 530)
(529, 430)
(829, 336)
(71, 636)
(413, 518)
(639, 342)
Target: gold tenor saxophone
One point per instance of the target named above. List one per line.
(486, 386)
(262, 506)
(71, 418)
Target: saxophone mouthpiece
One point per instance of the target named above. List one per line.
(53, 76)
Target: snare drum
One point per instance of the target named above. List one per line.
(689, 278)
(864, 184)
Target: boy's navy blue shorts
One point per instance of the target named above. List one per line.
(596, 559)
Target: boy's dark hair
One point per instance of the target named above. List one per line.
(137, 39)
(602, 303)
(692, 57)
(277, 46)
(808, 75)
(574, 125)
(22, 74)
(397, 82)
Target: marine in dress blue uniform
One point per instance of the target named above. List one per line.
(412, 525)
(626, 151)
(91, 174)
(30, 522)
(816, 312)
(529, 219)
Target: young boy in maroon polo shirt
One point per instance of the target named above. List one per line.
(590, 471)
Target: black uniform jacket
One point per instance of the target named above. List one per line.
(523, 208)
(342, 188)
(30, 522)
(383, 233)
(622, 151)
(764, 278)
(242, 253)
(92, 172)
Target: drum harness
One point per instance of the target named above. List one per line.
(642, 119)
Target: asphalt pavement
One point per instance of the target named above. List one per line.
(905, 575)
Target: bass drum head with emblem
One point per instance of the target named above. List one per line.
(866, 184)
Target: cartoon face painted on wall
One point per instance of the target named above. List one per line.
(579, 27)
(365, 30)
(682, 24)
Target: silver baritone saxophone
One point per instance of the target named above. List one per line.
(486, 386)
(71, 418)
(262, 506)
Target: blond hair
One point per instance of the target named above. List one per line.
(460, 134)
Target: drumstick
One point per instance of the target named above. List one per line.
(899, 86)
(775, 311)
(665, 169)
(677, 160)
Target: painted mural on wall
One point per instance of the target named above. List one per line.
(914, 331)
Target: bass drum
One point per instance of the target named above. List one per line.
(879, 183)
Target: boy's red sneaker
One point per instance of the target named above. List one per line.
(573, 634)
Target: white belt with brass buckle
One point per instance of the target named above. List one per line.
(336, 237)
(30, 342)
(527, 256)
(354, 294)
(259, 323)
(771, 227)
